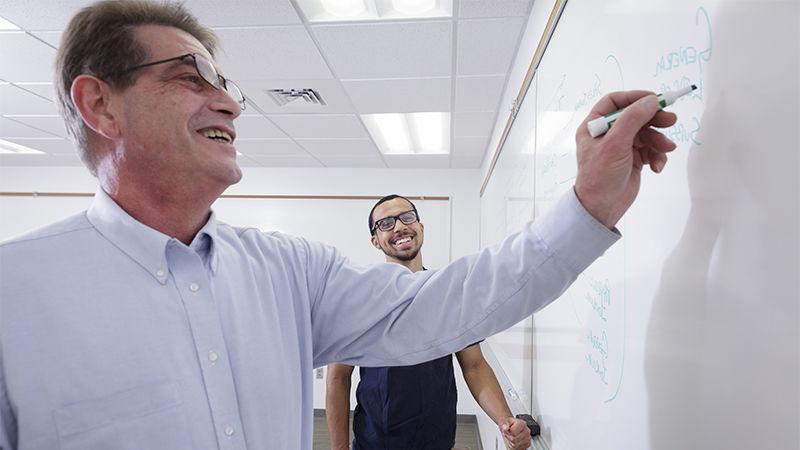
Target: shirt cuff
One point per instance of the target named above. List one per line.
(572, 234)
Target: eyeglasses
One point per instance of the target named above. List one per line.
(206, 71)
(388, 223)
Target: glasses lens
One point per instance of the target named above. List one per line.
(234, 91)
(408, 217)
(386, 224)
(207, 71)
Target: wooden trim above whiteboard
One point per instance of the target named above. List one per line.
(250, 196)
(544, 40)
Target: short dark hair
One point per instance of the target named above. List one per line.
(99, 41)
(384, 200)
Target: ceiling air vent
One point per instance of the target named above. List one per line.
(296, 97)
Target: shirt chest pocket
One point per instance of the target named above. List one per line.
(148, 416)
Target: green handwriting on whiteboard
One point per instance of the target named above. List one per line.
(688, 55)
(600, 298)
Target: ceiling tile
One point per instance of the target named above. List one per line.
(388, 50)
(53, 146)
(256, 126)
(286, 161)
(7, 160)
(493, 8)
(417, 161)
(352, 161)
(479, 93)
(336, 100)
(41, 15)
(12, 128)
(320, 125)
(42, 89)
(473, 123)
(55, 15)
(32, 59)
(269, 147)
(486, 47)
(270, 53)
(339, 147)
(469, 146)
(14, 100)
(245, 161)
(53, 124)
(400, 95)
(50, 37)
(244, 12)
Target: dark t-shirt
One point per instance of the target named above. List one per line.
(409, 407)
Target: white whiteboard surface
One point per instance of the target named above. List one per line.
(685, 334)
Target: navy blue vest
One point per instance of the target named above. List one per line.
(410, 407)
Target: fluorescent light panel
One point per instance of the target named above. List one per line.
(412, 133)
(338, 10)
(8, 147)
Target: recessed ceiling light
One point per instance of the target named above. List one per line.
(414, 6)
(5, 25)
(411, 133)
(338, 10)
(345, 9)
(8, 147)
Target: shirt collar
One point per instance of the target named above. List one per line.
(209, 232)
(143, 244)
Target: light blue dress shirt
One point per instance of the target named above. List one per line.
(115, 336)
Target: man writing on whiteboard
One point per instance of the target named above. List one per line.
(412, 406)
(144, 322)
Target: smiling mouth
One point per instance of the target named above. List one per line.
(402, 242)
(215, 134)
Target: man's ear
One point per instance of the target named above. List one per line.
(91, 96)
(375, 243)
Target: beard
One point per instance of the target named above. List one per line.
(405, 256)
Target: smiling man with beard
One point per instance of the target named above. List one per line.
(412, 407)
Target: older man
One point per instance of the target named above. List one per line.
(144, 323)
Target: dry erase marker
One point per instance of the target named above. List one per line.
(602, 124)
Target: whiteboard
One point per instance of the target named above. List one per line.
(685, 333)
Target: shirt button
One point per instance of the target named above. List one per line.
(229, 430)
(194, 287)
(160, 273)
(213, 356)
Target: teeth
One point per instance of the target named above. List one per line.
(402, 241)
(216, 133)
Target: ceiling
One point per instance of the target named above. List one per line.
(458, 65)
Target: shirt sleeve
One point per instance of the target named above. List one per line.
(8, 423)
(384, 315)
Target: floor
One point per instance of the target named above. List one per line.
(467, 437)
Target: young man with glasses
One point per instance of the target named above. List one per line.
(412, 406)
(145, 323)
